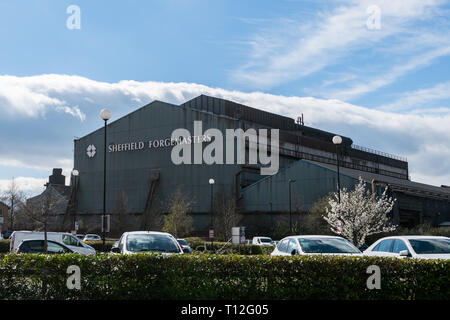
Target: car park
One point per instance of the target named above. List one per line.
(92, 237)
(262, 241)
(37, 246)
(184, 245)
(313, 245)
(148, 241)
(66, 239)
(419, 247)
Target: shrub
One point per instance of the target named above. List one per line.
(4, 246)
(227, 248)
(204, 276)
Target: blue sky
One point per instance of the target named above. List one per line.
(386, 86)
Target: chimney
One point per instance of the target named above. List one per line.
(57, 178)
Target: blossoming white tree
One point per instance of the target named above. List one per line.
(359, 215)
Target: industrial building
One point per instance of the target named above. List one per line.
(140, 168)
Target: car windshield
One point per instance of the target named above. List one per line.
(151, 242)
(327, 245)
(182, 242)
(430, 246)
(266, 240)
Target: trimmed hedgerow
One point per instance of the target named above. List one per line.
(98, 245)
(228, 248)
(4, 246)
(204, 276)
(197, 246)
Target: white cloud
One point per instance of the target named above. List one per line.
(423, 138)
(29, 186)
(29, 98)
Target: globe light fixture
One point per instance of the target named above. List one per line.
(337, 140)
(105, 114)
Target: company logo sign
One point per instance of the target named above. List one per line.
(91, 151)
(263, 147)
(157, 143)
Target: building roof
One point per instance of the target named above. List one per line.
(403, 185)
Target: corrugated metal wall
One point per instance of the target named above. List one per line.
(129, 171)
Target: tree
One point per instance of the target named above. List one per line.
(13, 196)
(226, 215)
(359, 214)
(177, 222)
(43, 208)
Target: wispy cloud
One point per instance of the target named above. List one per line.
(289, 50)
(389, 76)
(417, 101)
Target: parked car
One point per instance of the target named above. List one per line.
(148, 241)
(262, 241)
(419, 247)
(80, 236)
(311, 245)
(184, 245)
(67, 239)
(37, 246)
(92, 237)
(115, 245)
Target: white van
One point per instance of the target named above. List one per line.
(67, 239)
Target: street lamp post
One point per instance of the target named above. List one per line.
(211, 183)
(105, 114)
(290, 206)
(337, 140)
(75, 174)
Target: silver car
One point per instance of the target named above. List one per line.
(313, 245)
(419, 247)
(147, 241)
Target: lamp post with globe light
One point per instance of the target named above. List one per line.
(337, 140)
(105, 114)
(75, 174)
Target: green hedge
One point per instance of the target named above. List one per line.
(4, 246)
(98, 245)
(227, 248)
(204, 276)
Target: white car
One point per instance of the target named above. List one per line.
(66, 239)
(313, 245)
(262, 241)
(92, 237)
(147, 241)
(421, 247)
